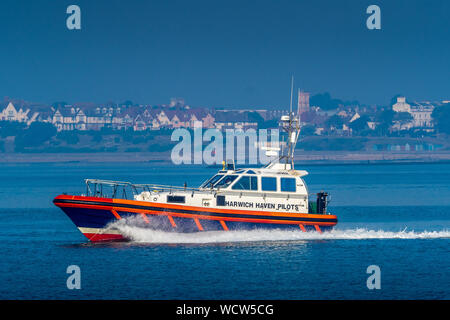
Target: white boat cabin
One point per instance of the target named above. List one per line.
(274, 188)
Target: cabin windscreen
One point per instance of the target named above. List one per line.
(210, 182)
(226, 181)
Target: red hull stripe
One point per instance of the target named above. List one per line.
(95, 237)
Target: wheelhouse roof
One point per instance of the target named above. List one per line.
(265, 171)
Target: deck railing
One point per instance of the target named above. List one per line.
(127, 190)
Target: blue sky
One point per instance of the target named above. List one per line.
(223, 53)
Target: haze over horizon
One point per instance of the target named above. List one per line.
(216, 54)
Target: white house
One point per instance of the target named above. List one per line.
(420, 112)
(11, 114)
(401, 105)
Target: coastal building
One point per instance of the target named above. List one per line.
(91, 117)
(355, 117)
(139, 123)
(401, 105)
(420, 112)
(68, 118)
(235, 119)
(303, 102)
(10, 113)
(343, 114)
(372, 125)
(319, 131)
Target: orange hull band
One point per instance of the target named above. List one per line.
(247, 212)
(224, 225)
(199, 226)
(114, 212)
(275, 215)
(172, 222)
(183, 215)
(144, 216)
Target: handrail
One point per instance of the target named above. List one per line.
(121, 189)
(124, 185)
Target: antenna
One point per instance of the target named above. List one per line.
(292, 90)
(290, 123)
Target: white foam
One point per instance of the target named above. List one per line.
(146, 235)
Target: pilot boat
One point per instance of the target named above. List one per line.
(273, 196)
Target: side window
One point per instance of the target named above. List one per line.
(246, 183)
(269, 184)
(288, 184)
(176, 199)
(242, 184)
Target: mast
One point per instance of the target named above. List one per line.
(290, 124)
(293, 131)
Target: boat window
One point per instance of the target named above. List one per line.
(226, 181)
(288, 184)
(220, 200)
(269, 184)
(210, 182)
(246, 183)
(176, 199)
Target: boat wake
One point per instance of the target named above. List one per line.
(140, 234)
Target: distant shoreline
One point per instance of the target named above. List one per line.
(305, 157)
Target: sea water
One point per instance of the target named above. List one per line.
(396, 217)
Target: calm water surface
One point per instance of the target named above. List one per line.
(393, 216)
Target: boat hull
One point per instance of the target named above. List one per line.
(93, 216)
